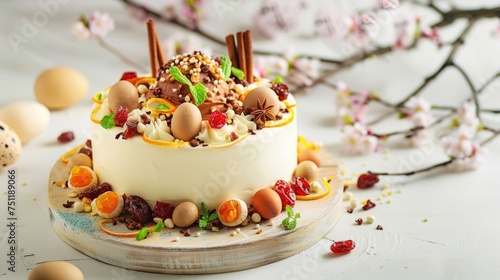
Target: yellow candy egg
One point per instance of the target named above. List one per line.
(232, 212)
(60, 87)
(57, 270)
(109, 204)
(81, 178)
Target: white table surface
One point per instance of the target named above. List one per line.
(461, 239)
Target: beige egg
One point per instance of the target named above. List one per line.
(57, 270)
(10, 145)
(267, 203)
(311, 155)
(186, 122)
(28, 118)
(185, 214)
(124, 94)
(60, 87)
(79, 159)
(307, 170)
(261, 94)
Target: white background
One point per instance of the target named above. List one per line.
(461, 240)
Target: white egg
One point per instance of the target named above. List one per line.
(10, 145)
(28, 118)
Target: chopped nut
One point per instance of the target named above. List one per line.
(258, 231)
(198, 234)
(256, 218)
(379, 227)
(169, 223)
(87, 208)
(347, 196)
(426, 219)
(72, 194)
(370, 219)
(86, 201)
(78, 206)
(359, 221)
(315, 186)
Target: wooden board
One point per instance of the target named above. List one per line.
(169, 251)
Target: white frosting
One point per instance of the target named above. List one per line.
(177, 172)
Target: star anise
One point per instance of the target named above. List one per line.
(262, 113)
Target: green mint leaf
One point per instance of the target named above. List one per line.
(278, 80)
(289, 211)
(292, 225)
(108, 121)
(99, 97)
(202, 223)
(297, 216)
(142, 234)
(238, 73)
(285, 222)
(162, 107)
(204, 209)
(159, 226)
(213, 217)
(178, 76)
(226, 67)
(199, 93)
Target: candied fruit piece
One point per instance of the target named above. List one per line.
(281, 90)
(128, 76)
(107, 202)
(66, 137)
(163, 210)
(366, 181)
(300, 186)
(217, 119)
(286, 193)
(80, 177)
(342, 247)
(121, 115)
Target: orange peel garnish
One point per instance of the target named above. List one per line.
(321, 195)
(163, 143)
(285, 121)
(117, 234)
(65, 158)
(142, 80)
(160, 101)
(94, 111)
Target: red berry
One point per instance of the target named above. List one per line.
(281, 90)
(66, 137)
(131, 129)
(121, 115)
(128, 76)
(286, 193)
(366, 181)
(217, 119)
(163, 210)
(342, 247)
(300, 186)
(369, 205)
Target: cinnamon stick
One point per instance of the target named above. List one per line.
(159, 50)
(231, 50)
(241, 53)
(247, 39)
(153, 54)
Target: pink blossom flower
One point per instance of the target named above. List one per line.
(434, 35)
(459, 143)
(418, 139)
(357, 140)
(80, 31)
(276, 17)
(100, 24)
(418, 111)
(471, 162)
(466, 117)
(138, 13)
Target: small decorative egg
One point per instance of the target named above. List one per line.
(80, 159)
(109, 205)
(186, 122)
(10, 145)
(311, 155)
(232, 212)
(81, 178)
(124, 94)
(261, 94)
(307, 170)
(28, 118)
(60, 87)
(267, 203)
(57, 270)
(185, 214)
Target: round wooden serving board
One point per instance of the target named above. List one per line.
(169, 251)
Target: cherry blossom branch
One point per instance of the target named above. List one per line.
(413, 172)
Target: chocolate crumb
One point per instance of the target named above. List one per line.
(234, 136)
(379, 227)
(68, 204)
(349, 210)
(194, 142)
(186, 232)
(359, 221)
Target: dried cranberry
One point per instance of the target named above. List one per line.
(342, 247)
(217, 119)
(66, 137)
(121, 115)
(95, 191)
(128, 76)
(369, 205)
(300, 186)
(138, 208)
(286, 193)
(163, 210)
(130, 129)
(366, 181)
(86, 151)
(281, 90)
(88, 143)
